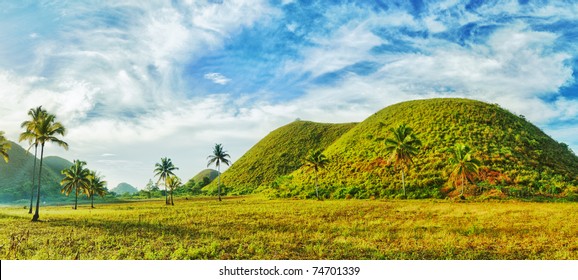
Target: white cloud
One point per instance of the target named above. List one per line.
(217, 78)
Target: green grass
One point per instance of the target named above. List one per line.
(257, 228)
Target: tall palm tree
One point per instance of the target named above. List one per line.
(219, 156)
(46, 132)
(36, 114)
(464, 165)
(4, 147)
(314, 161)
(97, 187)
(164, 170)
(173, 182)
(77, 178)
(402, 147)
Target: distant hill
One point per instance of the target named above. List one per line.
(123, 188)
(16, 175)
(209, 173)
(518, 159)
(279, 153)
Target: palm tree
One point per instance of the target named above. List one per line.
(401, 148)
(77, 178)
(464, 165)
(4, 147)
(315, 161)
(164, 170)
(36, 115)
(219, 156)
(97, 186)
(46, 132)
(173, 182)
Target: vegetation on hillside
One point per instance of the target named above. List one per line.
(4, 147)
(195, 185)
(15, 176)
(123, 188)
(281, 152)
(401, 148)
(315, 161)
(516, 158)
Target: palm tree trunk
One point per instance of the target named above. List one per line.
(166, 194)
(219, 182)
(172, 201)
(463, 179)
(403, 182)
(92, 200)
(33, 179)
(316, 186)
(76, 198)
(36, 214)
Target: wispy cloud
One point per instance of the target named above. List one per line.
(217, 78)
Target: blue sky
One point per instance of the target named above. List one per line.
(135, 81)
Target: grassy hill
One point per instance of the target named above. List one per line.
(518, 159)
(16, 176)
(123, 188)
(279, 153)
(209, 173)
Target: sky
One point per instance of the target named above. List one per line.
(135, 81)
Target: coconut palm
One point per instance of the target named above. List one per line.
(97, 187)
(464, 166)
(46, 131)
(173, 182)
(314, 161)
(4, 147)
(164, 170)
(76, 178)
(219, 156)
(402, 147)
(36, 114)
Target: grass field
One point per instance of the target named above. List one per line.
(257, 228)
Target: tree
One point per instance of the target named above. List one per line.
(219, 156)
(30, 126)
(314, 161)
(464, 166)
(173, 182)
(77, 178)
(402, 147)
(164, 170)
(150, 187)
(4, 147)
(97, 187)
(46, 132)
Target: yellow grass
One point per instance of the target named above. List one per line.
(257, 228)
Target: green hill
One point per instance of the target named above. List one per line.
(209, 173)
(279, 153)
(123, 188)
(518, 159)
(16, 175)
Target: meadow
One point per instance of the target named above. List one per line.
(253, 227)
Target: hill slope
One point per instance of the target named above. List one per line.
(16, 175)
(123, 188)
(209, 173)
(518, 159)
(279, 153)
